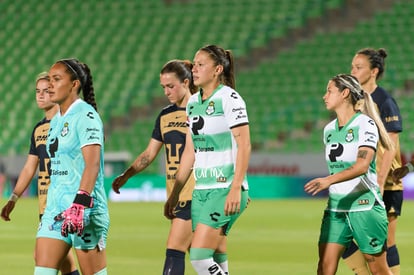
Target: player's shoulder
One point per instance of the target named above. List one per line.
(168, 109)
(41, 122)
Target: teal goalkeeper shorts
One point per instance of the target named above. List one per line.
(368, 228)
(207, 207)
(94, 234)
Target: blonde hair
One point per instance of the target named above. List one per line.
(363, 103)
(42, 76)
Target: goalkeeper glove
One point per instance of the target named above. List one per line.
(73, 217)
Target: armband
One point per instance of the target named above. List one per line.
(83, 198)
(13, 197)
(410, 167)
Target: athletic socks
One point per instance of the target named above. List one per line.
(355, 260)
(174, 262)
(203, 262)
(393, 259)
(40, 270)
(221, 259)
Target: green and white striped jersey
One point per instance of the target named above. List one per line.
(210, 122)
(341, 150)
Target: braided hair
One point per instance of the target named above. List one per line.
(80, 71)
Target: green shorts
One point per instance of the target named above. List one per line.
(94, 234)
(368, 228)
(207, 207)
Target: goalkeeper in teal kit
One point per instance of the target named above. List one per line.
(76, 213)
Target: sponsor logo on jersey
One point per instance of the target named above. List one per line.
(210, 108)
(205, 149)
(60, 172)
(391, 118)
(209, 172)
(65, 129)
(41, 138)
(176, 124)
(363, 202)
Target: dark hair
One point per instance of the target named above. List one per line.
(182, 69)
(81, 72)
(224, 58)
(376, 59)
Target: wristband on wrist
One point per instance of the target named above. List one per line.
(83, 198)
(410, 167)
(13, 197)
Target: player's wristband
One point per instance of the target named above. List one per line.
(13, 197)
(83, 198)
(410, 167)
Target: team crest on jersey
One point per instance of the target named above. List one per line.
(65, 129)
(210, 109)
(349, 136)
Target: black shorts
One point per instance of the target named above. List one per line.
(183, 210)
(393, 202)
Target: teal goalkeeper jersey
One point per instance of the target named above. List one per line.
(211, 122)
(341, 150)
(78, 127)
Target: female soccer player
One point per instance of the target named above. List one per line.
(38, 158)
(217, 153)
(368, 66)
(355, 208)
(170, 129)
(76, 213)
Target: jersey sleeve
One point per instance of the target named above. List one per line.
(32, 149)
(368, 134)
(391, 116)
(90, 129)
(156, 132)
(235, 110)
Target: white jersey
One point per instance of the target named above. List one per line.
(342, 144)
(210, 122)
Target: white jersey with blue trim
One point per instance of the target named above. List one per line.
(211, 121)
(80, 126)
(342, 145)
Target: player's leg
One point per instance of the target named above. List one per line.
(68, 266)
(49, 254)
(329, 255)
(205, 241)
(220, 256)
(179, 240)
(355, 260)
(211, 228)
(378, 263)
(91, 246)
(393, 203)
(370, 232)
(393, 257)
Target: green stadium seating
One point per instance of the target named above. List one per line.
(126, 42)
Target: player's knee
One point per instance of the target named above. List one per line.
(203, 263)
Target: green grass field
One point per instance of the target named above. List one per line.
(272, 237)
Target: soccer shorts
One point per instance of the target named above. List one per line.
(183, 210)
(208, 208)
(94, 234)
(393, 202)
(368, 228)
